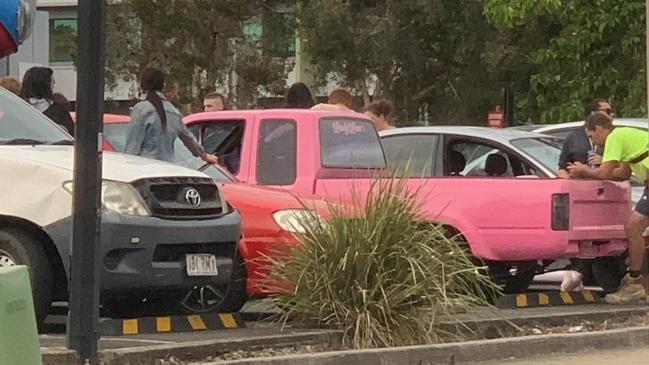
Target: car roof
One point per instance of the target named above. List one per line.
(624, 122)
(116, 118)
(495, 134)
(269, 113)
(108, 118)
(527, 127)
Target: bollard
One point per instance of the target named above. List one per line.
(19, 343)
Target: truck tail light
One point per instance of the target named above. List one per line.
(560, 212)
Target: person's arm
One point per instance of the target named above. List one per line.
(136, 132)
(604, 172)
(610, 161)
(196, 149)
(623, 172)
(563, 174)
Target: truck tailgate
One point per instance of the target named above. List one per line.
(598, 209)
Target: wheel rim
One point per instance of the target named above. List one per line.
(204, 298)
(6, 259)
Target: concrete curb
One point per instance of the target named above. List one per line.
(195, 350)
(475, 328)
(466, 352)
(58, 355)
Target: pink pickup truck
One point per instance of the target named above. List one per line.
(516, 224)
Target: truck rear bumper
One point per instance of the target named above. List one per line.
(551, 245)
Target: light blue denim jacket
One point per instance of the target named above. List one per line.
(147, 138)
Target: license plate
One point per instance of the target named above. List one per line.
(201, 265)
(587, 249)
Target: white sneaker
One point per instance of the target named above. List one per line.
(572, 281)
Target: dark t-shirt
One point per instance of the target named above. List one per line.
(60, 116)
(575, 148)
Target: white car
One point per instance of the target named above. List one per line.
(155, 240)
(562, 130)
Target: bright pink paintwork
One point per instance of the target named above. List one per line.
(503, 219)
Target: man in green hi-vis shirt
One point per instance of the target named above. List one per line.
(625, 153)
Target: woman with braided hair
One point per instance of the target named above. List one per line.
(156, 123)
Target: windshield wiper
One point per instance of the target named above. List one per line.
(21, 141)
(63, 142)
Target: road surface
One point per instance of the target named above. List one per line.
(631, 356)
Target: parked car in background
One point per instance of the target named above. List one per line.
(562, 130)
(269, 220)
(512, 222)
(164, 230)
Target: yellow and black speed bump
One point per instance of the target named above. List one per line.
(170, 324)
(544, 299)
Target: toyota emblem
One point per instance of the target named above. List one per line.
(193, 197)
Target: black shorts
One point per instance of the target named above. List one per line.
(642, 206)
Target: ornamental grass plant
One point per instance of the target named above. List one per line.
(383, 275)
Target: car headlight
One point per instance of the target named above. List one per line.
(118, 198)
(294, 220)
(225, 206)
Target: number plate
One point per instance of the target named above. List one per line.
(201, 265)
(587, 249)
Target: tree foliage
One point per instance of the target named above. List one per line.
(441, 61)
(201, 44)
(595, 49)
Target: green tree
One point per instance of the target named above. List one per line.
(435, 59)
(593, 49)
(199, 43)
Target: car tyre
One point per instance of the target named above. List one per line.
(608, 272)
(18, 247)
(512, 284)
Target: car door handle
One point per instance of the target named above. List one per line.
(600, 191)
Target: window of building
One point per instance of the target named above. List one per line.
(63, 40)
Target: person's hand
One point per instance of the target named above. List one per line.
(595, 160)
(563, 174)
(210, 159)
(577, 168)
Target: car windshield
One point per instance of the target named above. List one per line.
(115, 135)
(546, 151)
(20, 123)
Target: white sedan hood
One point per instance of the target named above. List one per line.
(116, 166)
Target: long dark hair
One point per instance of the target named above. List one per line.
(299, 96)
(153, 81)
(37, 83)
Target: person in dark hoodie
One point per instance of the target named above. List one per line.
(37, 90)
